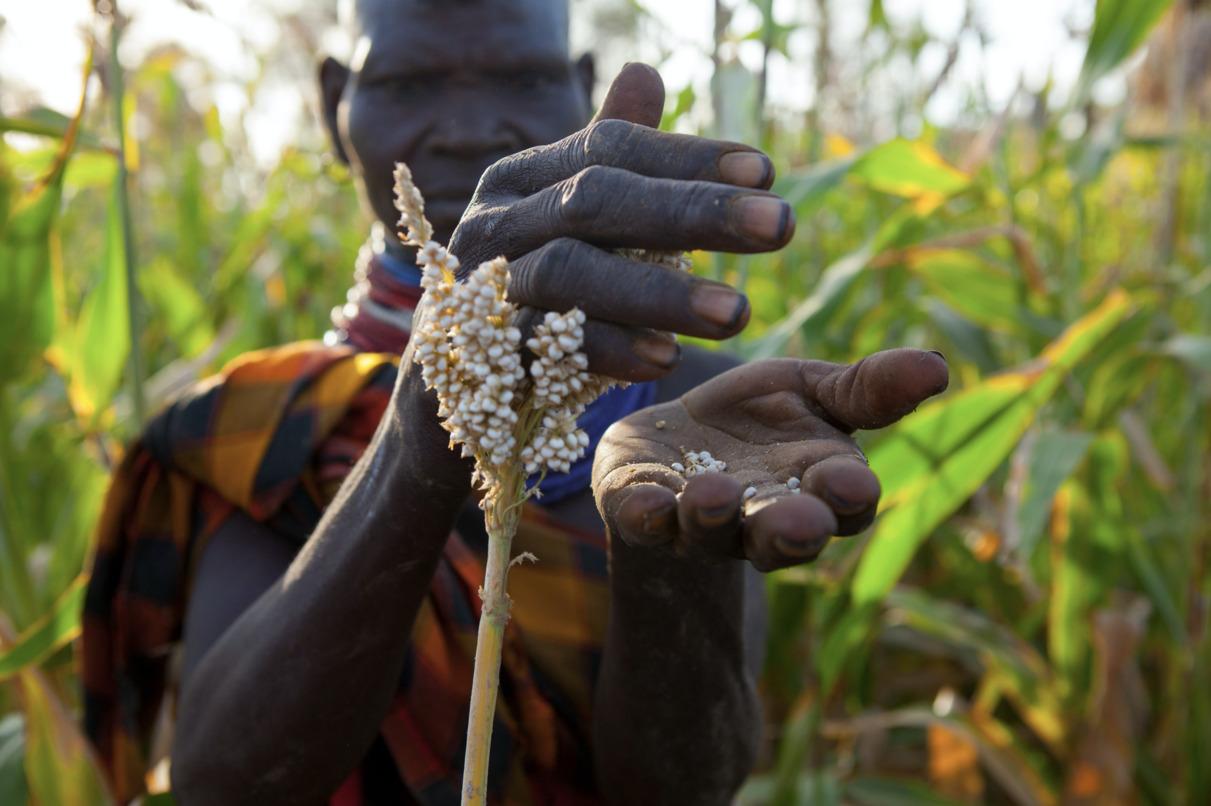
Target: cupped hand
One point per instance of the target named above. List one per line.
(771, 423)
(559, 212)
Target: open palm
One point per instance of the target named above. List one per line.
(793, 476)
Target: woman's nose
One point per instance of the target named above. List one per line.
(472, 133)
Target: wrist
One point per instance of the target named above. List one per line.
(418, 446)
(640, 572)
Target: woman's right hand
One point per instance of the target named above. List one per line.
(558, 212)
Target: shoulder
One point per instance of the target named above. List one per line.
(698, 365)
(249, 431)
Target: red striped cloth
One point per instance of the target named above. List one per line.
(274, 435)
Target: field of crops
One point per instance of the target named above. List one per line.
(1026, 623)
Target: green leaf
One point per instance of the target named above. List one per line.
(893, 792)
(1191, 349)
(178, 305)
(1021, 671)
(876, 17)
(27, 308)
(13, 790)
(1054, 457)
(971, 342)
(8, 187)
(806, 189)
(923, 442)
(943, 482)
(90, 169)
(102, 337)
(810, 316)
(682, 104)
(59, 764)
(936, 459)
(907, 168)
(1119, 27)
(45, 122)
(986, 294)
(49, 634)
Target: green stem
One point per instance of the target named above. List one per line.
(117, 97)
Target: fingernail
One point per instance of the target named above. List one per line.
(659, 350)
(718, 304)
(798, 548)
(746, 169)
(658, 521)
(840, 504)
(938, 354)
(763, 217)
(716, 516)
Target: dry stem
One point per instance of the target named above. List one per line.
(502, 512)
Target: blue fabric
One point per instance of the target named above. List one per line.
(404, 271)
(600, 415)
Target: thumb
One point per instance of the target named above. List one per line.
(878, 390)
(636, 96)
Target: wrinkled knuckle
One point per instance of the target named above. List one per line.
(582, 198)
(602, 140)
(698, 206)
(522, 286)
(473, 233)
(497, 176)
(561, 253)
(551, 271)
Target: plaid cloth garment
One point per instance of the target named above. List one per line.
(274, 435)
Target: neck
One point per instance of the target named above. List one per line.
(377, 316)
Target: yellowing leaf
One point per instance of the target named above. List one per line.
(50, 633)
(837, 146)
(59, 764)
(911, 169)
(935, 460)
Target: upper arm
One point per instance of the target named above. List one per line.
(239, 563)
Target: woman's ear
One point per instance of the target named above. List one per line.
(333, 77)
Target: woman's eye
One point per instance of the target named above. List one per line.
(531, 80)
(407, 85)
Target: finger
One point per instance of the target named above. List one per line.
(849, 487)
(708, 512)
(786, 531)
(625, 353)
(567, 273)
(635, 95)
(636, 499)
(619, 144)
(644, 514)
(611, 207)
(878, 390)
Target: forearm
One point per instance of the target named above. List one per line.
(287, 701)
(677, 717)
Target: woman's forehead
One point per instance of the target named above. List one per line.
(420, 35)
(408, 23)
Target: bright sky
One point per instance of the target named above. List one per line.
(41, 50)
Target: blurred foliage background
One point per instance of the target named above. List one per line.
(1027, 621)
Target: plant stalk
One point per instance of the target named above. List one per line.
(117, 99)
(501, 518)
